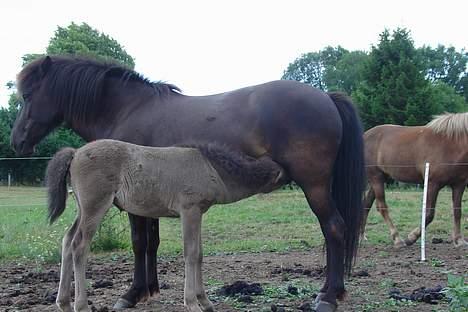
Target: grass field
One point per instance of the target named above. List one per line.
(280, 221)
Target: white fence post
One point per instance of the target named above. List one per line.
(9, 180)
(423, 214)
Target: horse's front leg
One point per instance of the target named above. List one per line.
(457, 195)
(139, 289)
(191, 233)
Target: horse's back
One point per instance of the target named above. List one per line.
(402, 151)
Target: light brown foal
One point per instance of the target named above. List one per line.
(150, 182)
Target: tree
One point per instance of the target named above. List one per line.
(308, 68)
(446, 65)
(330, 69)
(395, 90)
(84, 40)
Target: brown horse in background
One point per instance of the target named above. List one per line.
(315, 136)
(401, 153)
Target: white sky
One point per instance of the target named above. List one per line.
(207, 47)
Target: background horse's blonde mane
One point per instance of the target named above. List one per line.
(454, 126)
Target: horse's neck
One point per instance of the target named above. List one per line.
(117, 121)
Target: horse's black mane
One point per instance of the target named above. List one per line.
(77, 83)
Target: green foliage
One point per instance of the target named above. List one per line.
(446, 65)
(84, 40)
(395, 90)
(457, 292)
(331, 69)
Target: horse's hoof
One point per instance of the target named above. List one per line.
(399, 243)
(323, 306)
(123, 304)
(319, 297)
(460, 243)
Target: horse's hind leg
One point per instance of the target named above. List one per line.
(457, 195)
(191, 232)
(368, 201)
(378, 185)
(66, 270)
(333, 227)
(92, 212)
(432, 192)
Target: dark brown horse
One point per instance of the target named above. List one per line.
(315, 136)
(401, 153)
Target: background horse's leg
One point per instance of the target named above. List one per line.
(66, 271)
(152, 238)
(457, 195)
(432, 192)
(191, 235)
(377, 183)
(368, 201)
(139, 289)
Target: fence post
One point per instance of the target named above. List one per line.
(9, 180)
(423, 214)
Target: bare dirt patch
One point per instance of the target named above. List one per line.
(288, 281)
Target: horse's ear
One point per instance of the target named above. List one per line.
(45, 65)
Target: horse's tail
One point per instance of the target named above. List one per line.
(349, 176)
(56, 182)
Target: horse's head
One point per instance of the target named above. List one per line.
(38, 114)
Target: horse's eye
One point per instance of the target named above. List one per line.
(26, 96)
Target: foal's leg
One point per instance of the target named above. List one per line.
(139, 289)
(432, 192)
(191, 232)
(457, 195)
(91, 216)
(203, 300)
(378, 185)
(66, 271)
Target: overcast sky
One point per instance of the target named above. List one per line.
(208, 47)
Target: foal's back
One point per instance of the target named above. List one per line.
(146, 181)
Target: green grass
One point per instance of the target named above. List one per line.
(280, 221)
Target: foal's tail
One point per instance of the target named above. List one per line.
(56, 181)
(349, 176)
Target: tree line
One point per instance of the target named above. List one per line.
(394, 82)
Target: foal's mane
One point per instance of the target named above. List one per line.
(240, 167)
(77, 83)
(454, 126)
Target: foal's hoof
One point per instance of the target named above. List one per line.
(460, 243)
(319, 297)
(123, 304)
(323, 306)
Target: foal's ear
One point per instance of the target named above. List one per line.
(45, 65)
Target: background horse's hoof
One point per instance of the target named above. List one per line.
(399, 243)
(323, 306)
(123, 304)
